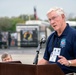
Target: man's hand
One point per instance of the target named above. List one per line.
(63, 61)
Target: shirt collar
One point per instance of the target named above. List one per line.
(64, 32)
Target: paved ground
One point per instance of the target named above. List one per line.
(25, 55)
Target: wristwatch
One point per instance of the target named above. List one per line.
(69, 63)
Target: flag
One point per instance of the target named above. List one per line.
(35, 14)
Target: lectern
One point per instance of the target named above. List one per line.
(26, 69)
(51, 69)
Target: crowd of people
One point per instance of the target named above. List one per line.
(8, 39)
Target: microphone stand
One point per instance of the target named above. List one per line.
(37, 53)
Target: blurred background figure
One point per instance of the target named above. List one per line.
(0, 39)
(6, 57)
(9, 39)
(4, 39)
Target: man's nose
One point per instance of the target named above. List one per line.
(52, 22)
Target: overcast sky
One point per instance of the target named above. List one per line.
(18, 7)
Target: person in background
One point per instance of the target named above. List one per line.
(6, 57)
(61, 44)
(9, 39)
(1, 40)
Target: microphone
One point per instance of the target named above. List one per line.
(43, 40)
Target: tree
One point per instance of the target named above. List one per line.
(14, 21)
(72, 19)
(5, 24)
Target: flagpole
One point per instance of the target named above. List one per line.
(35, 13)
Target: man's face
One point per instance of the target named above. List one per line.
(56, 21)
(8, 58)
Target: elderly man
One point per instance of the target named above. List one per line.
(61, 44)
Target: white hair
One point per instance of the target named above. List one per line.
(57, 9)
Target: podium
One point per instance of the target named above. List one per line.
(51, 69)
(26, 69)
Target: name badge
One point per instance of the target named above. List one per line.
(54, 54)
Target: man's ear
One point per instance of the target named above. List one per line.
(63, 16)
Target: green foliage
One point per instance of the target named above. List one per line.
(14, 21)
(72, 19)
(27, 17)
(9, 24)
(5, 24)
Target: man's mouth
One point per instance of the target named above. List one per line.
(54, 26)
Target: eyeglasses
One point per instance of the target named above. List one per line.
(53, 18)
